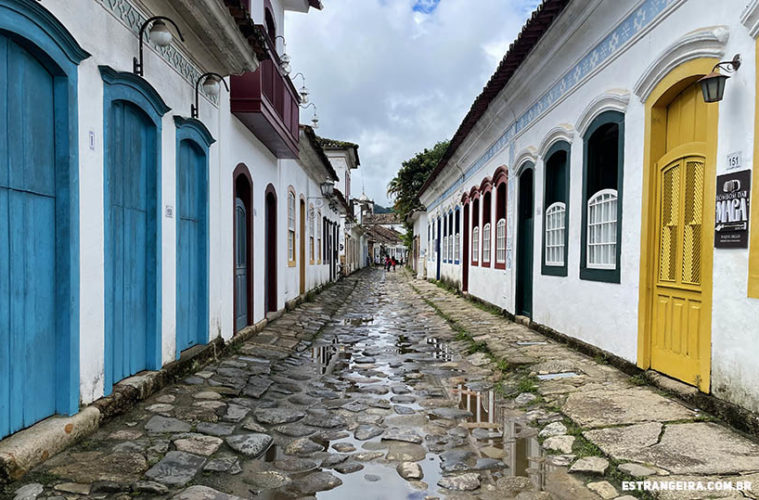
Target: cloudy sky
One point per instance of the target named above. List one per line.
(396, 76)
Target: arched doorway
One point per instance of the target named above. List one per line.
(193, 142)
(133, 114)
(302, 247)
(676, 257)
(525, 216)
(243, 247)
(270, 260)
(39, 200)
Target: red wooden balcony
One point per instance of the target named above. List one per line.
(266, 101)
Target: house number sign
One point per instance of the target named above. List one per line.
(732, 210)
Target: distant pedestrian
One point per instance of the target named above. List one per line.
(387, 263)
(394, 262)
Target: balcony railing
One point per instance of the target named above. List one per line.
(266, 101)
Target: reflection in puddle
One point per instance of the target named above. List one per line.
(526, 342)
(442, 350)
(323, 355)
(358, 321)
(494, 426)
(482, 406)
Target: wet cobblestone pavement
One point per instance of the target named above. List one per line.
(384, 387)
(365, 410)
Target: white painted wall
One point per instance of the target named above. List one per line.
(605, 314)
(91, 24)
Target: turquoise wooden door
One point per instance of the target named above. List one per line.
(525, 238)
(241, 265)
(192, 237)
(130, 229)
(28, 354)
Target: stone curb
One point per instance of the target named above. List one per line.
(735, 416)
(24, 450)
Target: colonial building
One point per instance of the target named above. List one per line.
(149, 202)
(593, 189)
(353, 245)
(385, 233)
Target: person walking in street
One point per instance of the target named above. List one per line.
(393, 262)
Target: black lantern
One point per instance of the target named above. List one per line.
(210, 87)
(713, 84)
(159, 34)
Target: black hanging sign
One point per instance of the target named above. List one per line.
(732, 210)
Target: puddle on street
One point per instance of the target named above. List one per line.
(323, 355)
(358, 321)
(503, 435)
(385, 483)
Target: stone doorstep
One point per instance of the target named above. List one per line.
(28, 448)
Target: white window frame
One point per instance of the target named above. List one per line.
(457, 239)
(500, 241)
(486, 243)
(601, 233)
(476, 244)
(290, 226)
(312, 230)
(451, 238)
(319, 230)
(555, 233)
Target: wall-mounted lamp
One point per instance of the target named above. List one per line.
(327, 188)
(284, 59)
(315, 118)
(713, 84)
(304, 92)
(210, 87)
(159, 34)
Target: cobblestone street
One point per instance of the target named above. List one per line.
(383, 387)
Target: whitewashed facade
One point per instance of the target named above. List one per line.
(195, 179)
(632, 61)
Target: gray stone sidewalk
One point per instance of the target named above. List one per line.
(627, 431)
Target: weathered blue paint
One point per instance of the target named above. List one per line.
(39, 216)
(132, 185)
(193, 143)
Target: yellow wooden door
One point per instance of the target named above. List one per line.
(680, 327)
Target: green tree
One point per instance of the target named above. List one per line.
(405, 186)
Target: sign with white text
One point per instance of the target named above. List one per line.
(732, 210)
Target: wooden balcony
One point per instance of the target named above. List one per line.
(266, 102)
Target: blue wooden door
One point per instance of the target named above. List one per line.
(241, 265)
(192, 272)
(28, 354)
(130, 179)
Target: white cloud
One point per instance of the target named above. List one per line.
(396, 81)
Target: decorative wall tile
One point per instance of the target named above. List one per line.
(132, 18)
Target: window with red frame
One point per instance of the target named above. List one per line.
(500, 224)
(486, 228)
